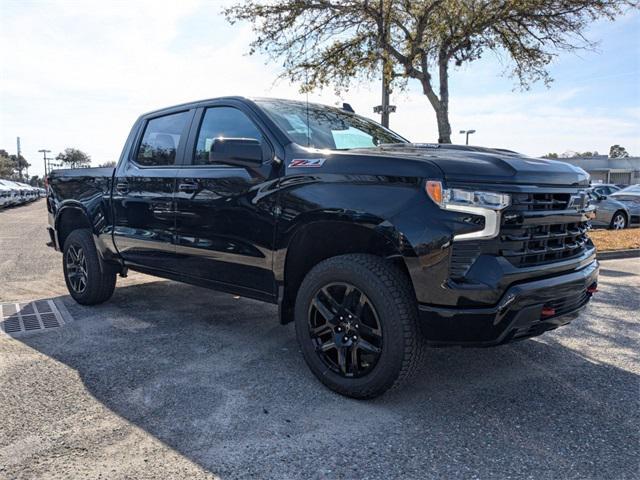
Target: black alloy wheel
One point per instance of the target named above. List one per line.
(356, 321)
(89, 279)
(76, 268)
(345, 329)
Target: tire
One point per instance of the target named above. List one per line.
(618, 221)
(95, 282)
(385, 305)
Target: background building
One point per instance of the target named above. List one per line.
(622, 171)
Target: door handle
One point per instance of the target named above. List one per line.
(122, 187)
(188, 187)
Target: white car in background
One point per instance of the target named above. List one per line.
(22, 192)
(29, 192)
(16, 192)
(6, 196)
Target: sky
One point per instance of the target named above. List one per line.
(78, 74)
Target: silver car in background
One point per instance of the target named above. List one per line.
(613, 210)
(630, 197)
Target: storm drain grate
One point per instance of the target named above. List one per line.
(17, 318)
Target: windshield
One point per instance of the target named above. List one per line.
(327, 127)
(629, 189)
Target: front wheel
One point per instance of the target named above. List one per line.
(89, 280)
(356, 323)
(618, 221)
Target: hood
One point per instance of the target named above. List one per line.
(484, 165)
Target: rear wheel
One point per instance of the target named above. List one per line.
(89, 280)
(356, 323)
(618, 221)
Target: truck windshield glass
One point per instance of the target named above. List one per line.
(327, 127)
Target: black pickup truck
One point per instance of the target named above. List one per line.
(373, 246)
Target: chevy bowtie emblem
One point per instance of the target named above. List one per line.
(577, 201)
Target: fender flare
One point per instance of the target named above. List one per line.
(70, 205)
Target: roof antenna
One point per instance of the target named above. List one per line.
(348, 108)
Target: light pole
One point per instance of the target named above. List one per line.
(44, 156)
(468, 132)
(385, 109)
(18, 156)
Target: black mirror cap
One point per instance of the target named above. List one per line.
(243, 152)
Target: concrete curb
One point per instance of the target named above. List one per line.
(615, 254)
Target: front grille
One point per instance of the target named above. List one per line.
(532, 245)
(540, 201)
(543, 227)
(537, 228)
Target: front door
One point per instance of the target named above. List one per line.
(143, 193)
(225, 215)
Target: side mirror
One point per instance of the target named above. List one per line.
(243, 152)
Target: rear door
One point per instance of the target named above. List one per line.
(144, 189)
(225, 215)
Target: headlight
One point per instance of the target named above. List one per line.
(448, 197)
(476, 202)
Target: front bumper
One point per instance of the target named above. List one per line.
(526, 309)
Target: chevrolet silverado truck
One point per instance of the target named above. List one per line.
(373, 246)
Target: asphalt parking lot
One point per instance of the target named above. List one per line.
(173, 381)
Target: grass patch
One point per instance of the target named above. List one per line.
(616, 239)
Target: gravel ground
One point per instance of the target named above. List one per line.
(172, 381)
(616, 239)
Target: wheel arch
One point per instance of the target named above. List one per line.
(624, 212)
(317, 239)
(70, 217)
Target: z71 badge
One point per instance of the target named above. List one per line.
(306, 162)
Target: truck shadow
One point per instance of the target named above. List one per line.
(217, 379)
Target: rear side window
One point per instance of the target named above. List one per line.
(222, 122)
(161, 139)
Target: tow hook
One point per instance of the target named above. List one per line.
(547, 312)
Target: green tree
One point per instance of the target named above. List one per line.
(36, 181)
(109, 164)
(19, 164)
(73, 158)
(617, 151)
(7, 166)
(333, 42)
(551, 156)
